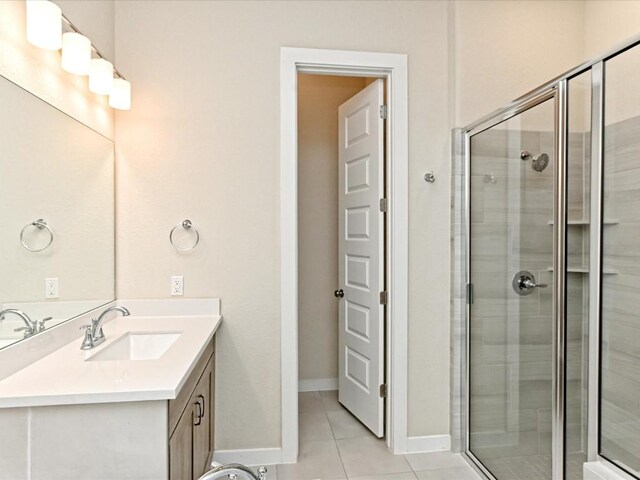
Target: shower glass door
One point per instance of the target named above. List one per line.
(510, 370)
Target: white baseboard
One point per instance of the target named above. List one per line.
(317, 384)
(429, 443)
(249, 457)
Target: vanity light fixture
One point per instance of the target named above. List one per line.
(101, 76)
(76, 53)
(120, 96)
(45, 24)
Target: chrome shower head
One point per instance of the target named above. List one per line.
(538, 163)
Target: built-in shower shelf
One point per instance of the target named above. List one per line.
(606, 271)
(607, 221)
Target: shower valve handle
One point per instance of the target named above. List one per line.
(528, 283)
(524, 283)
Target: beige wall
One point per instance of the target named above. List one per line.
(319, 97)
(39, 70)
(202, 141)
(505, 49)
(519, 45)
(608, 23)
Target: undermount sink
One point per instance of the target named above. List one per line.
(137, 346)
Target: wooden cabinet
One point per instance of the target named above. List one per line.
(191, 422)
(180, 448)
(202, 425)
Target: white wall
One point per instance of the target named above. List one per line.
(319, 97)
(39, 70)
(202, 141)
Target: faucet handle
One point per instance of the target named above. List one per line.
(87, 342)
(262, 473)
(41, 323)
(28, 331)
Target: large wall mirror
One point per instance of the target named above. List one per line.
(56, 216)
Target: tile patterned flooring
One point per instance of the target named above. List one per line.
(335, 446)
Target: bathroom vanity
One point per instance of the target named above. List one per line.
(138, 406)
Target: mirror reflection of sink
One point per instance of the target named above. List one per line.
(137, 346)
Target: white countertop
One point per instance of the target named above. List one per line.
(65, 378)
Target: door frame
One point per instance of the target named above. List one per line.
(393, 68)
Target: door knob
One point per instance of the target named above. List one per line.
(338, 293)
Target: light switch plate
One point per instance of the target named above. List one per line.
(177, 285)
(51, 288)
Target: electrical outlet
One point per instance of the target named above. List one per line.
(177, 285)
(51, 288)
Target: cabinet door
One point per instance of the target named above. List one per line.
(181, 448)
(201, 429)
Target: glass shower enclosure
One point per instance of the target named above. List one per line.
(551, 377)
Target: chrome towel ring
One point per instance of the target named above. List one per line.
(39, 224)
(187, 225)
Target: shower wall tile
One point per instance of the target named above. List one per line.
(621, 295)
(458, 299)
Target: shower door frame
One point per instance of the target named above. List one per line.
(555, 87)
(557, 93)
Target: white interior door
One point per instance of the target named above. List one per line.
(361, 256)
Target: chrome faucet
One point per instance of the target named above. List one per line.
(232, 471)
(30, 327)
(94, 335)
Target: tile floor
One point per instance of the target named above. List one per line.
(335, 446)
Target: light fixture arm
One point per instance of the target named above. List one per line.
(71, 27)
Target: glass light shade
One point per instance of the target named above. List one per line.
(101, 76)
(120, 96)
(76, 53)
(44, 24)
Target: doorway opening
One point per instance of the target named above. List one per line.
(341, 257)
(393, 69)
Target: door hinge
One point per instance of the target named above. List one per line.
(384, 205)
(469, 293)
(384, 113)
(383, 390)
(384, 296)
